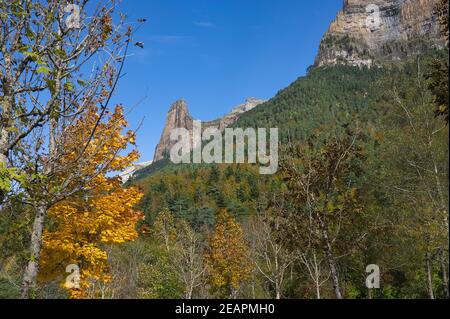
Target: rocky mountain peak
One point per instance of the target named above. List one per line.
(250, 103)
(179, 117)
(366, 31)
(179, 105)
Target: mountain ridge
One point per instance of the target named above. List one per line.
(180, 117)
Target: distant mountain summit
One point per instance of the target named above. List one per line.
(366, 31)
(179, 117)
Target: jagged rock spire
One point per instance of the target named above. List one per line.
(179, 117)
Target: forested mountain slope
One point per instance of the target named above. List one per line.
(388, 112)
(334, 95)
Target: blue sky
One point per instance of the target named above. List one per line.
(214, 54)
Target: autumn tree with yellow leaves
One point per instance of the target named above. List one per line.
(227, 259)
(56, 68)
(102, 214)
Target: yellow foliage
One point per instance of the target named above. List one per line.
(227, 260)
(102, 214)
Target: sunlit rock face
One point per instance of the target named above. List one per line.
(179, 117)
(367, 31)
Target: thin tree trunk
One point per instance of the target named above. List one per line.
(277, 270)
(32, 269)
(316, 276)
(444, 274)
(334, 275)
(7, 110)
(318, 291)
(277, 290)
(190, 288)
(330, 259)
(429, 275)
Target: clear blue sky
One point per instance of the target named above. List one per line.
(214, 54)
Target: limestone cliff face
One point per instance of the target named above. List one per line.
(234, 115)
(179, 117)
(367, 31)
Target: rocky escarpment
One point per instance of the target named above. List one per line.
(179, 117)
(367, 31)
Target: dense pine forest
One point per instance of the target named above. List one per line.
(363, 180)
